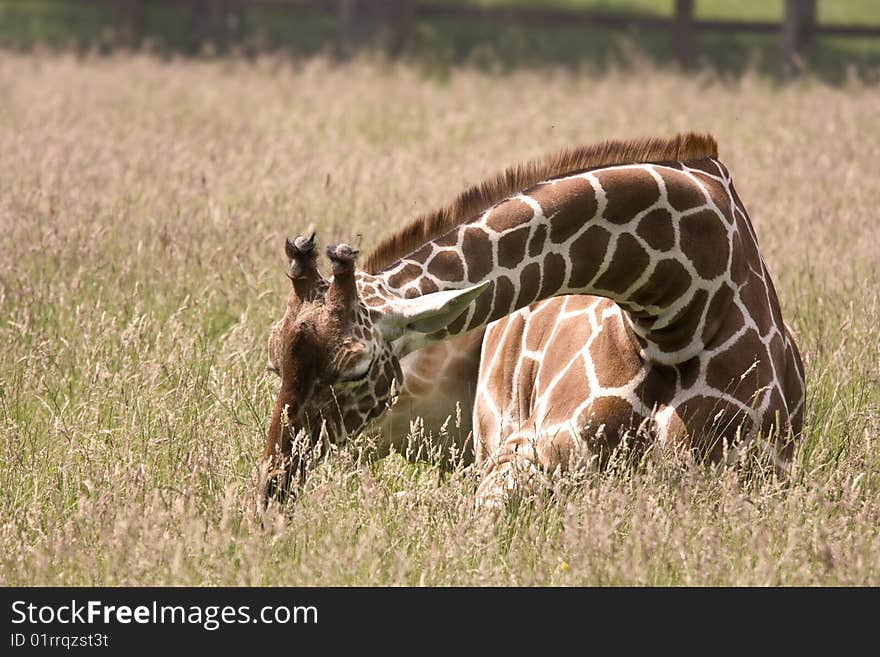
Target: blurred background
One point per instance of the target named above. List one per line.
(833, 40)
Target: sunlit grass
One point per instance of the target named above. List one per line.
(142, 212)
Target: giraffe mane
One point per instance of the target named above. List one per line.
(480, 197)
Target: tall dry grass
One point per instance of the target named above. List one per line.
(142, 209)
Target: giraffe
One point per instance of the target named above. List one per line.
(620, 287)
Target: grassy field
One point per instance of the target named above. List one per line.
(143, 205)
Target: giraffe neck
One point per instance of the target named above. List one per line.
(658, 239)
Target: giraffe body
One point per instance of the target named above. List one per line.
(438, 387)
(673, 326)
(574, 375)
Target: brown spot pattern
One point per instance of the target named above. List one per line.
(477, 251)
(615, 413)
(658, 386)
(446, 265)
(739, 268)
(573, 379)
(688, 371)
(448, 239)
(616, 363)
(427, 286)
(777, 350)
(681, 191)
(747, 243)
(753, 294)
(529, 278)
(536, 244)
(725, 373)
(483, 305)
(628, 191)
(703, 239)
(503, 297)
(657, 230)
(680, 332)
(710, 421)
(719, 196)
(793, 381)
(408, 273)
(704, 165)
(723, 319)
(568, 205)
(627, 264)
(775, 308)
(586, 255)
(501, 377)
(668, 282)
(421, 255)
(509, 214)
(553, 275)
(512, 247)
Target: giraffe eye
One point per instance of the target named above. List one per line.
(359, 372)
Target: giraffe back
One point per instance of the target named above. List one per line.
(570, 375)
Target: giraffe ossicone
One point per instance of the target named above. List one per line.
(609, 292)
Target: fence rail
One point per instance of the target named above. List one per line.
(362, 21)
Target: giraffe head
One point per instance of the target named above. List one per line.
(337, 351)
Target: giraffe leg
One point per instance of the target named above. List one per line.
(519, 467)
(512, 470)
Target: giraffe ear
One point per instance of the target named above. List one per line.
(428, 313)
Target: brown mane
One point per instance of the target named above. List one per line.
(476, 199)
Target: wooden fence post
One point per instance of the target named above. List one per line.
(209, 24)
(197, 25)
(683, 32)
(809, 13)
(399, 22)
(236, 21)
(365, 22)
(130, 14)
(347, 16)
(798, 29)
